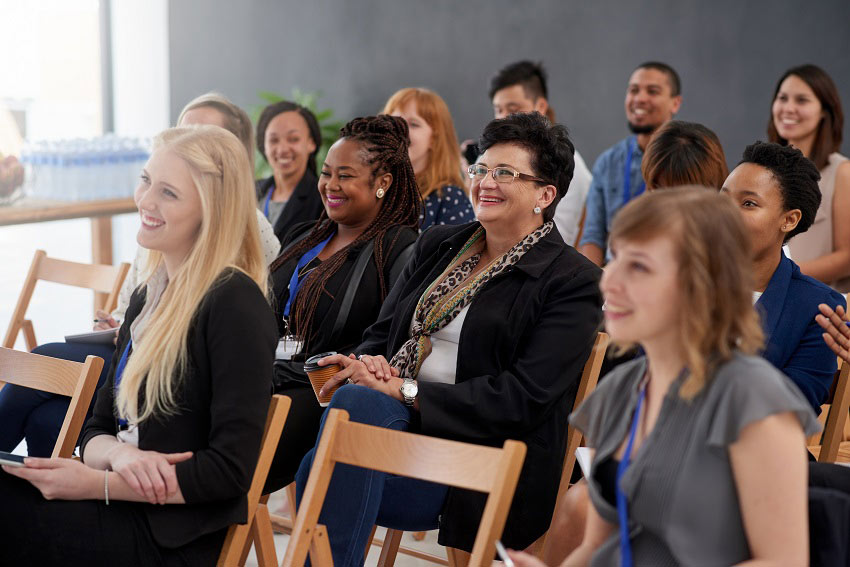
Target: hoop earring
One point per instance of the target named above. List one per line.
(536, 210)
(380, 193)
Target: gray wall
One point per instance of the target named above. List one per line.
(729, 54)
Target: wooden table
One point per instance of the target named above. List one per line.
(26, 211)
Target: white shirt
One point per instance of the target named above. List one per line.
(569, 209)
(441, 364)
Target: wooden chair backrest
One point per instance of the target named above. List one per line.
(236, 543)
(76, 380)
(836, 417)
(97, 277)
(589, 379)
(484, 469)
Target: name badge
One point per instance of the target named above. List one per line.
(288, 346)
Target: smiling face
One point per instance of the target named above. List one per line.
(642, 292)
(346, 185)
(169, 206)
(513, 99)
(797, 112)
(649, 100)
(288, 145)
(421, 135)
(509, 204)
(757, 194)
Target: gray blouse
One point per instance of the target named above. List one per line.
(683, 504)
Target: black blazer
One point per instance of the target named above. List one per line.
(521, 351)
(223, 399)
(305, 204)
(367, 300)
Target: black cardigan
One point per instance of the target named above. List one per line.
(223, 400)
(367, 300)
(521, 351)
(304, 205)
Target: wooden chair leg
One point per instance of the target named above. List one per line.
(320, 548)
(261, 533)
(290, 495)
(29, 335)
(457, 557)
(389, 550)
(369, 542)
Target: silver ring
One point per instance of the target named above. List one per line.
(348, 381)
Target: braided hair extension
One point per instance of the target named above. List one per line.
(384, 141)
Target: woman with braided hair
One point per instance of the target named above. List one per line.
(482, 339)
(371, 218)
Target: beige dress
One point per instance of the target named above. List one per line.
(817, 241)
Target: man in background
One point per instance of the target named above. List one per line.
(521, 87)
(653, 97)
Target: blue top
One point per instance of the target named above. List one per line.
(606, 194)
(450, 205)
(794, 341)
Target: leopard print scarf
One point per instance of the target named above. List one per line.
(450, 293)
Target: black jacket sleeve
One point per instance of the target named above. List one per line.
(240, 337)
(548, 363)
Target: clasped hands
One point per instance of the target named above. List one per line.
(149, 474)
(371, 371)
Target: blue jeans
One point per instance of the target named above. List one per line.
(359, 498)
(36, 415)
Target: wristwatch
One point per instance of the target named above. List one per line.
(408, 390)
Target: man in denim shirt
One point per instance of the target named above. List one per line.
(653, 97)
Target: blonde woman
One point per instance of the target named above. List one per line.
(169, 452)
(37, 416)
(433, 153)
(699, 446)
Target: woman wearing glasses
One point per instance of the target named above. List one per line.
(482, 339)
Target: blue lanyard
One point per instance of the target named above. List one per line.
(627, 175)
(622, 505)
(119, 373)
(295, 282)
(268, 198)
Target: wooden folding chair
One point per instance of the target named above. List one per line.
(472, 467)
(831, 449)
(101, 278)
(237, 543)
(589, 377)
(77, 380)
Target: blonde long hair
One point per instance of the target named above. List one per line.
(444, 162)
(228, 238)
(715, 273)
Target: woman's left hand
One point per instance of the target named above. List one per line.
(60, 479)
(355, 372)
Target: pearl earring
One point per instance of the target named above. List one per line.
(784, 227)
(536, 210)
(380, 193)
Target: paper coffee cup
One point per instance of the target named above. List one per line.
(318, 375)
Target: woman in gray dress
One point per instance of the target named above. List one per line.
(699, 446)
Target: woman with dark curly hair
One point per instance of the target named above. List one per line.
(482, 339)
(288, 137)
(334, 273)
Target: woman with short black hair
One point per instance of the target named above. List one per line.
(482, 339)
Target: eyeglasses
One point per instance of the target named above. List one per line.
(502, 174)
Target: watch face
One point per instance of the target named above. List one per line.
(409, 389)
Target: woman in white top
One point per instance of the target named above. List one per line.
(807, 114)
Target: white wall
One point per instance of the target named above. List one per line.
(140, 68)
